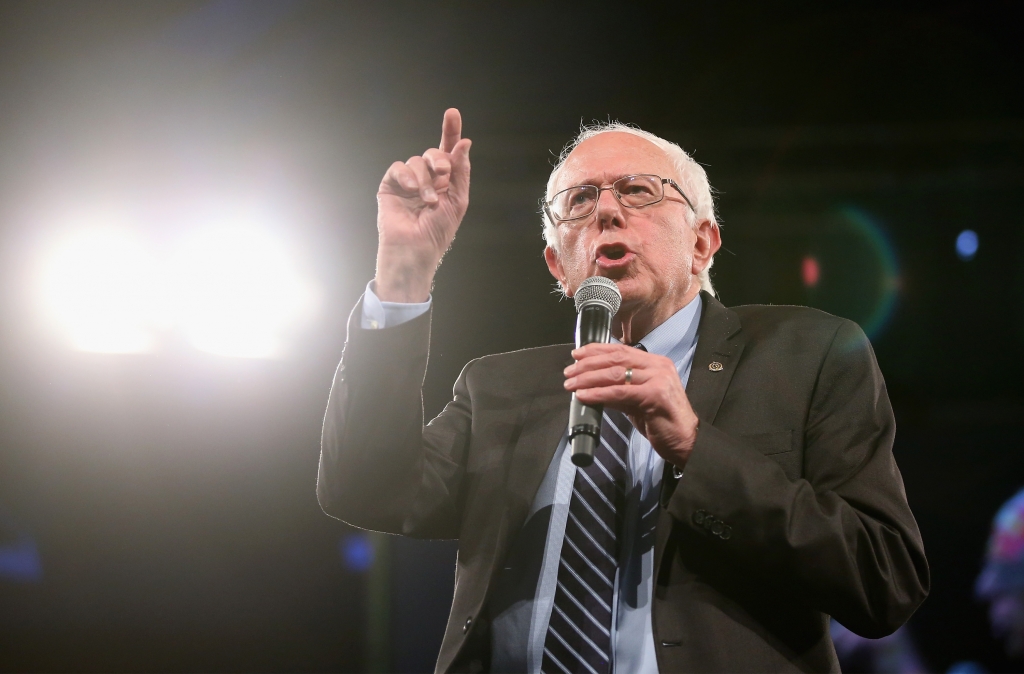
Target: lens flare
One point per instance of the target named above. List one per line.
(888, 283)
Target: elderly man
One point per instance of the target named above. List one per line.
(744, 489)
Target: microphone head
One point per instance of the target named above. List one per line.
(598, 289)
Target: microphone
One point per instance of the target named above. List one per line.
(597, 300)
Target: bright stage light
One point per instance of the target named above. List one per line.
(236, 292)
(228, 290)
(97, 287)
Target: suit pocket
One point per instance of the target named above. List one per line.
(780, 448)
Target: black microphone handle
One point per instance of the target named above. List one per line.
(593, 324)
(584, 431)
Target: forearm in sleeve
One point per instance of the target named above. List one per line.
(380, 468)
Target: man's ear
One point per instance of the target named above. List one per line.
(555, 267)
(707, 243)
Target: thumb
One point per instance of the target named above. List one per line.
(459, 185)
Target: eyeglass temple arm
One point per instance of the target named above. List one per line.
(681, 193)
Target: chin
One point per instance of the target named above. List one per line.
(635, 293)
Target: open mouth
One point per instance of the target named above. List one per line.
(613, 255)
(614, 252)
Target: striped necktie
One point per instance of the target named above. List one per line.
(579, 631)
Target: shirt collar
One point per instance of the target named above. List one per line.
(676, 336)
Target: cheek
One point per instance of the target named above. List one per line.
(572, 250)
(670, 253)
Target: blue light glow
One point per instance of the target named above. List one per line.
(19, 561)
(967, 244)
(357, 552)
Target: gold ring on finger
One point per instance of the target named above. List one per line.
(629, 375)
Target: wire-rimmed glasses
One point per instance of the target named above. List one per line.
(635, 191)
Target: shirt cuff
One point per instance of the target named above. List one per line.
(378, 315)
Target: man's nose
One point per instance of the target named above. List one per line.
(609, 210)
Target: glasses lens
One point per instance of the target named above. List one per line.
(575, 202)
(635, 191)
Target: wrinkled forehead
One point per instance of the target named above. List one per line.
(611, 155)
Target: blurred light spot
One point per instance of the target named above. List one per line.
(229, 289)
(810, 272)
(967, 244)
(96, 287)
(19, 561)
(236, 292)
(357, 552)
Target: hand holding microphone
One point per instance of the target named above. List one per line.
(644, 386)
(597, 301)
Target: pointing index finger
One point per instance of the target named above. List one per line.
(451, 129)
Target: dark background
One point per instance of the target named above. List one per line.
(171, 497)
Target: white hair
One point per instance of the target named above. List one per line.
(691, 175)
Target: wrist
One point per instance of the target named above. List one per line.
(682, 454)
(403, 276)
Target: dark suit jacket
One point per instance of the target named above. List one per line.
(791, 508)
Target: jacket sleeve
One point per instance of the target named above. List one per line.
(842, 539)
(380, 467)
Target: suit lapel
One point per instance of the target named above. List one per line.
(720, 343)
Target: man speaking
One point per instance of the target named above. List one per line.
(743, 489)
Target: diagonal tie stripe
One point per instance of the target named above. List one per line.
(579, 630)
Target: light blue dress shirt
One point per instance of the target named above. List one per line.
(523, 593)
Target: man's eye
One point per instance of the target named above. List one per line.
(636, 189)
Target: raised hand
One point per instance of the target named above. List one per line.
(420, 204)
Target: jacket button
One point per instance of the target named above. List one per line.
(709, 522)
(726, 533)
(469, 621)
(698, 517)
(716, 528)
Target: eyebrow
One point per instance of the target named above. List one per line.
(597, 183)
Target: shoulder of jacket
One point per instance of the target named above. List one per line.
(514, 372)
(532, 357)
(787, 313)
(767, 321)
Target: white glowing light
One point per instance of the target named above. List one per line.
(236, 292)
(229, 290)
(96, 287)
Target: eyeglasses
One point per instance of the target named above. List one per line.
(636, 191)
